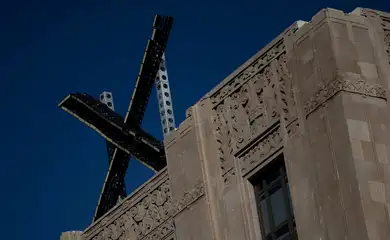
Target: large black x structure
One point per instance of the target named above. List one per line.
(126, 134)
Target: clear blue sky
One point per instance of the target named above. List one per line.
(52, 166)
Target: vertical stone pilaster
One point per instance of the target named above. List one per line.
(338, 182)
(184, 157)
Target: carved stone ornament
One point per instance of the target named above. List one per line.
(261, 150)
(287, 101)
(247, 113)
(229, 176)
(161, 231)
(387, 43)
(221, 133)
(244, 115)
(247, 73)
(144, 216)
(385, 23)
(347, 82)
(249, 104)
(149, 218)
(292, 128)
(188, 198)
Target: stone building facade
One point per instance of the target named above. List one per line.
(294, 144)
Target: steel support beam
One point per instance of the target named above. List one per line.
(126, 134)
(131, 140)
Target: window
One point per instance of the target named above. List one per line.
(274, 203)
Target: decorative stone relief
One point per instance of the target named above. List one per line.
(248, 107)
(246, 114)
(238, 121)
(385, 23)
(348, 82)
(188, 198)
(162, 231)
(149, 218)
(222, 133)
(261, 150)
(387, 43)
(143, 217)
(247, 73)
(254, 107)
(292, 128)
(228, 176)
(287, 102)
(263, 108)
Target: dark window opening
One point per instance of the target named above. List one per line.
(274, 202)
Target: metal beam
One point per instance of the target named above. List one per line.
(126, 134)
(148, 70)
(113, 184)
(110, 125)
(108, 99)
(150, 64)
(165, 99)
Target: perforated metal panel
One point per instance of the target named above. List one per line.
(164, 99)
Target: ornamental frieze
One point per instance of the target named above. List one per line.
(261, 149)
(348, 82)
(252, 108)
(245, 114)
(247, 73)
(151, 217)
(387, 43)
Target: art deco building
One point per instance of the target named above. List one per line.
(294, 144)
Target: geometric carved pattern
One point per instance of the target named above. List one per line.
(245, 107)
(142, 217)
(161, 231)
(251, 103)
(247, 73)
(229, 175)
(287, 99)
(387, 43)
(292, 127)
(147, 215)
(261, 150)
(348, 82)
(385, 24)
(287, 102)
